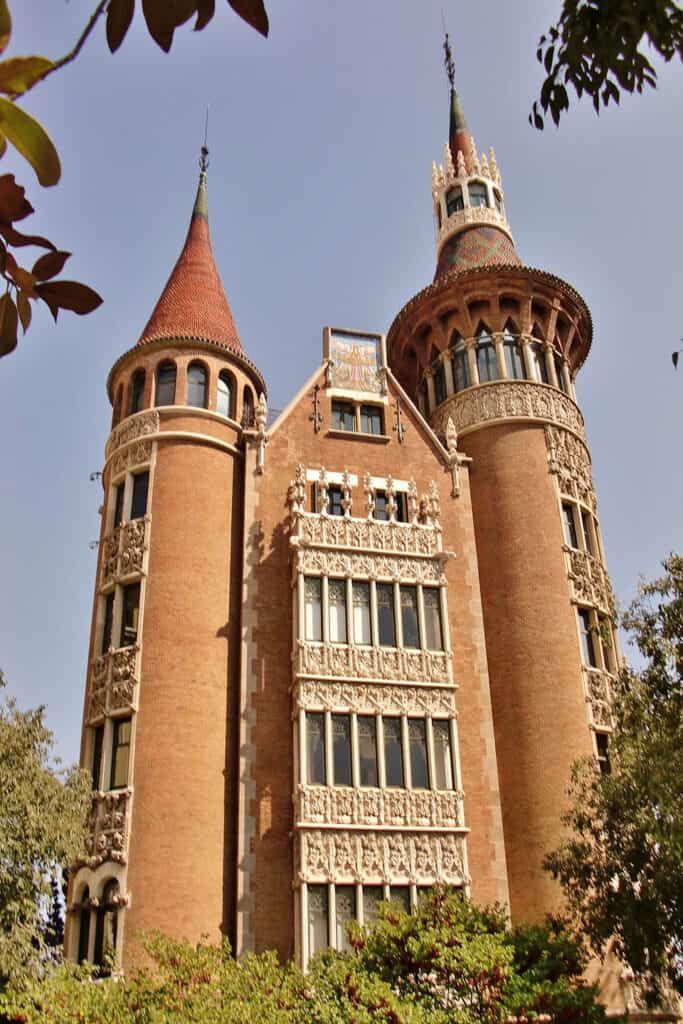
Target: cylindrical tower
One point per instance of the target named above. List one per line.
(490, 351)
(160, 730)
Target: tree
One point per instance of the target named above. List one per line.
(595, 47)
(622, 864)
(42, 816)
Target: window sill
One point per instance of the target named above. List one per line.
(357, 435)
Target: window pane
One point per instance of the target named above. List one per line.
(345, 911)
(367, 750)
(343, 416)
(362, 631)
(586, 520)
(393, 752)
(381, 506)
(129, 615)
(372, 897)
(587, 645)
(478, 194)
(315, 748)
(108, 620)
(139, 503)
(570, 537)
(417, 740)
(317, 918)
(443, 760)
(84, 928)
(118, 504)
(514, 364)
(439, 383)
(425, 397)
(400, 894)
(401, 503)
(602, 744)
(336, 593)
(166, 374)
(334, 501)
(559, 364)
(539, 362)
(341, 750)
(196, 385)
(313, 607)
(487, 364)
(371, 419)
(432, 606)
(607, 645)
(120, 749)
(137, 392)
(461, 368)
(385, 615)
(411, 631)
(247, 408)
(454, 201)
(97, 743)
(224, 396)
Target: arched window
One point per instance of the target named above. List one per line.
(559, 371)
(540, 365)
(196, 385)
(461, 364)
(84, 926)
(118, 401)
(479, 195)
(137, 392)
(498, 200)
(247, 408)
(454, 200)
(106, 927)
(224, 396)
(487, 364)
(439, 382)
(166, 375)
(514, 361)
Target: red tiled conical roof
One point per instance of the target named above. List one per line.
(193, 303)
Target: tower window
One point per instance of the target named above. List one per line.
(84, 926)
(137, 392)
(443, 758)
(514, 363)
(417, 743)
(432, 617)
(247, 408)
(498, 200)
(362, 630)
(461, 367)
(439, 383)
(341, 749)
(559, 372)
(108, 622)
(336, 592)
(166, 378)
(196, 385)
(602, 748)
(393, 752)
(371, 419)
(570, 535)
(540, 365)
(454, 200)
(587, 523)
(120, 754)
(97, 745)
(313, 607)
(385, 615)
(409, 622)
(343, 416)
(487, 364)
(317, 918)
(138, 505)
(424, 391)
(129, 615)
(586, 634)
(116, 416)
(224, 395)
(119, 492)
(315, 748)
(478, 194)
(106, 928)
(367, 750)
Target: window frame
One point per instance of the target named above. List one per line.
(168, 367)
(196, 366)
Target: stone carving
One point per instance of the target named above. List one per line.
(107, 828)
(132, 428)
(315, 695)
(124, 551)
(131, 457)
(368, 534)
(347, 661)
(569, 458)
(113, 679)
(371, 566)
(589, 581)
(409, 808)
(360, 856)
(506, 399)
(598, 697)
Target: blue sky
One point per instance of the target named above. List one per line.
(321, 143)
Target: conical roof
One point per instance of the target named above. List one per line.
(193, 302)
(459, 138)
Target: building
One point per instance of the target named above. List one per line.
(352, 652)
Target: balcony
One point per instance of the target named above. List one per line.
(113, 678)
(388, 808)
(342, 661)
(123, 551)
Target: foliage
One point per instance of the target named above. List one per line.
(595, 47)
(42, 816)
(449, 963)
(622, 865)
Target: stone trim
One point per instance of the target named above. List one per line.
(335, 806)
(503, 400)
(371, 664)
(406, 699)
(123, 552)
(113, 680)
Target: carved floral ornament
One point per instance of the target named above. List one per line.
(502, 400)
(346, 661)
(568, 457)
(367, 856)
(107, 828)
(113, 678)
(314, 561)
(598, 688)
(124, 550)
(132, 428)
(589, 581)
(407, 699)
(132, 456)
(405, 808)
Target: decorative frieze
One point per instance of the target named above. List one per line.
(347, 661)
(405, 808)
(471, 215)
(113, 678)
(123, 551)
(131, 457)
(367, 535)
(132, 428)
(380, 857)
(588, 580)
(401, 569)
(569, 458)
(107, 828)
(598, 689)
(316, 695)
(503, 400)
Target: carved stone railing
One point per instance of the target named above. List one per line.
(472, 215)
(405, 699)
(361, 565)
(598, 687)
(123, 551)
(396, 538)
(132, 429)
(507, 399)
(113, 678)
(107, 828)
(408, 808)
(589, 581)
(342, 661)
(393, 857)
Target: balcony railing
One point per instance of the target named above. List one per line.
(373, 535)
(406, 808)
(341, 661)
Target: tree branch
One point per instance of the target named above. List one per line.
(72, 54)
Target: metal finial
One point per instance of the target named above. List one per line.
(204, 153)
(448, 60)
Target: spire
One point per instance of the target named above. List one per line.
(459, 139)
(193, 302)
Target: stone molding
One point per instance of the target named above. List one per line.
(123, 551)
(353, 565)
(131, 457)
(373, 807)
(471, 215)
(588, 580)
(132, 428)
(347, 661)
(568, 457)
(412, 699)
(598, 688)
(113, 678)
(505, 400)
(380, 857)
(107, 828)
(369, 535)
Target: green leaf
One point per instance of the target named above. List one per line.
(8, 325)
(5, 25)
(24, 308)
(19, 73)
(32, 141)
(253, 12)
(119, 17)
(49, 265)
(13, 202)
(68, 295)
